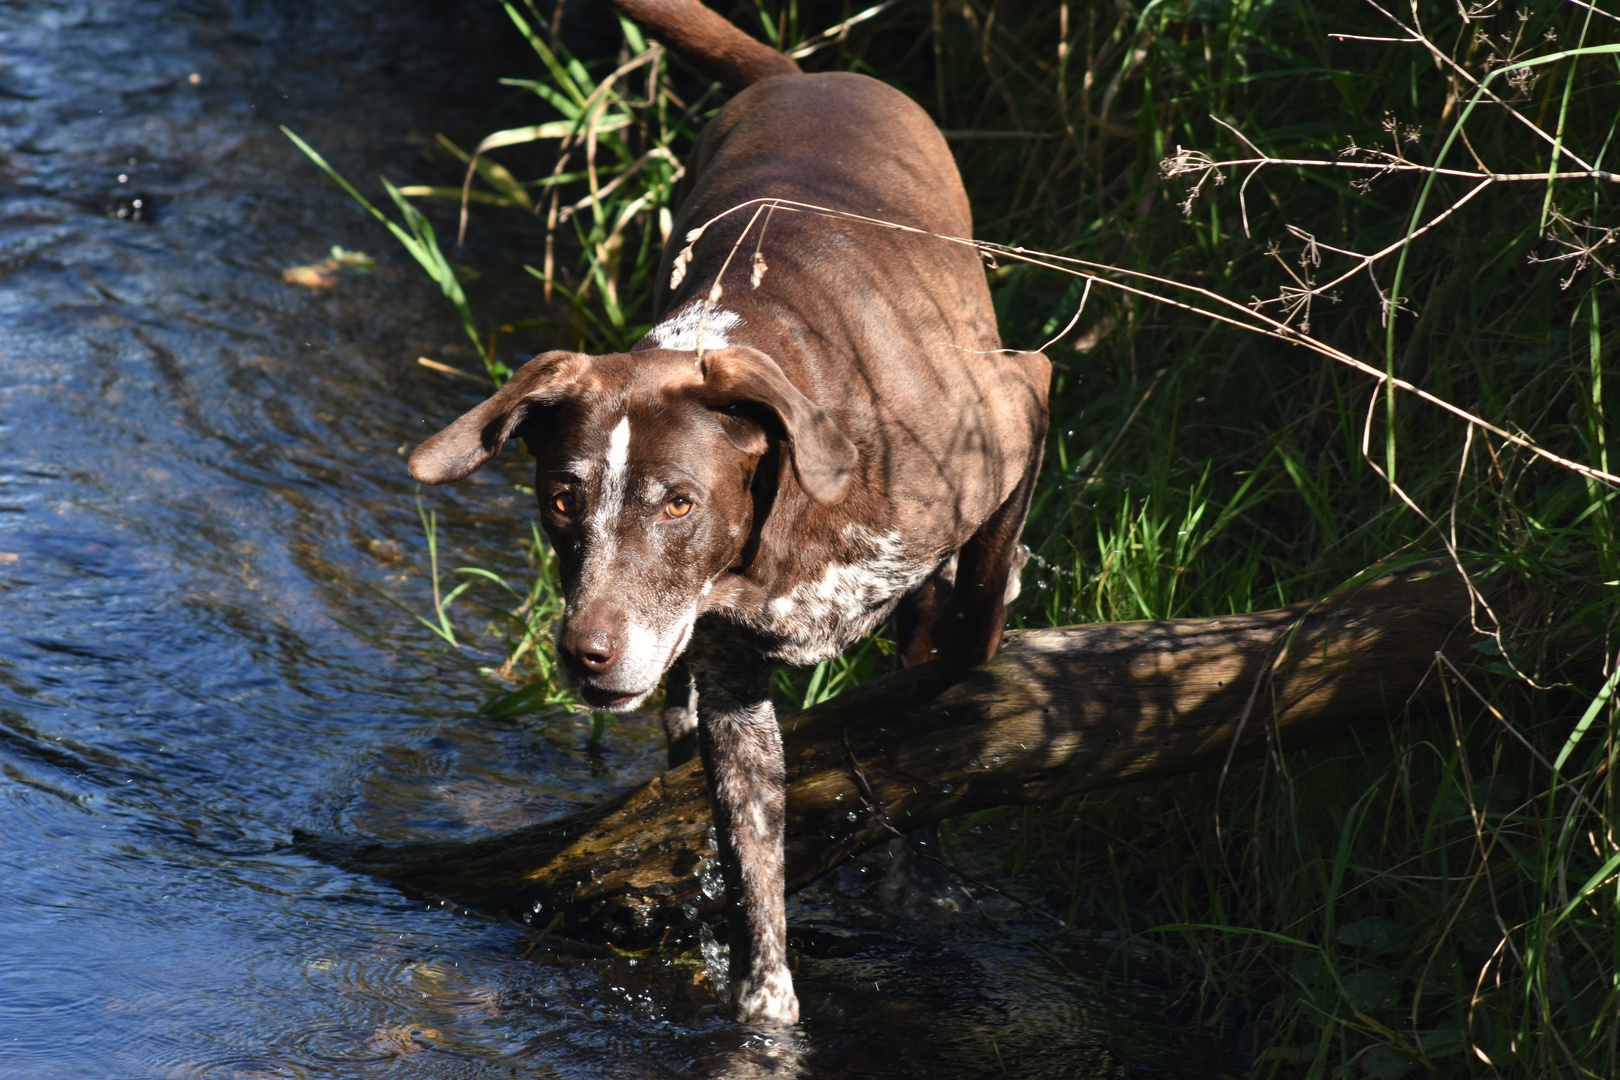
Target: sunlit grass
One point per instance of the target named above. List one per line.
(1441, 899)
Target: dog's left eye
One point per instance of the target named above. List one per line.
(679, 506)
(563, 502)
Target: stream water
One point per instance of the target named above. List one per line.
(206, 534)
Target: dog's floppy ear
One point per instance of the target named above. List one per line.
(469, 443)
(823, 458)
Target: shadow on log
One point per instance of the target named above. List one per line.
(1055, 713)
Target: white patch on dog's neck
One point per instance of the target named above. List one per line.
(681, 332)
(817, 617)
(618, 450)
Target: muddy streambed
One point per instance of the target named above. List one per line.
(205, 528)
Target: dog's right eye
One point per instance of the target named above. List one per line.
(563, 502)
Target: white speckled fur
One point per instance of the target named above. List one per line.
(817, 619)
(680, 332)
(767, 999)
(743, 757)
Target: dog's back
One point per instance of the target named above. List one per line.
(891, 331)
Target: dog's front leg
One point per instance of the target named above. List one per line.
(742, 759)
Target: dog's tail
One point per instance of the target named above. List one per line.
(713, 45)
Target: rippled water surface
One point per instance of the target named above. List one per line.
(205, 531)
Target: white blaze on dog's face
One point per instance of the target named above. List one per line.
(645, 499)
(644, 472)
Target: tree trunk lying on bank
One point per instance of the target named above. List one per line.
(1055, 713)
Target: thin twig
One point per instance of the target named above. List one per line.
(837, 32)
(1239, 315)
(585, 120)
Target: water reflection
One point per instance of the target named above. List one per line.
(204, 526)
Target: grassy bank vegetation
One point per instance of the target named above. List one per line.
(1420, 192)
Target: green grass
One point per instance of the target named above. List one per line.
(1442, 899)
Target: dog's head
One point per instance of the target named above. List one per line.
(645, 475)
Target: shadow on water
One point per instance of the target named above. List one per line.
(203, 511)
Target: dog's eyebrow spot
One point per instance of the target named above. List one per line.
(652, 491)
(681, 332)
(576, 471)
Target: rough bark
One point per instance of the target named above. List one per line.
(1055, 713)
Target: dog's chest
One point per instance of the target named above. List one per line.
(828, 606)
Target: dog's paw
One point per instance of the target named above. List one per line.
(766, 999)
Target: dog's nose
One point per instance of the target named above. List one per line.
(593, 648)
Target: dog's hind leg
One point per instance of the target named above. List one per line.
(914, 617)
(742, 760)
(968, 631)
(916, 884)
(680, 713)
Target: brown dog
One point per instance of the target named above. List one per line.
(763, 480)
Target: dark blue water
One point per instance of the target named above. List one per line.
(206, 534)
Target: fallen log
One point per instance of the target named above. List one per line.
(1055, 713)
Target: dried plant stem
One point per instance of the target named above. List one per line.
(584, 121)
(1482, 86)
(838, 31)
(1236, 314)
(712, 301)
(1397, 165)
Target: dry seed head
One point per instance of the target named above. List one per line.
(758, 272)
(678, 273)
(1523, 79)
(1185, 161)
